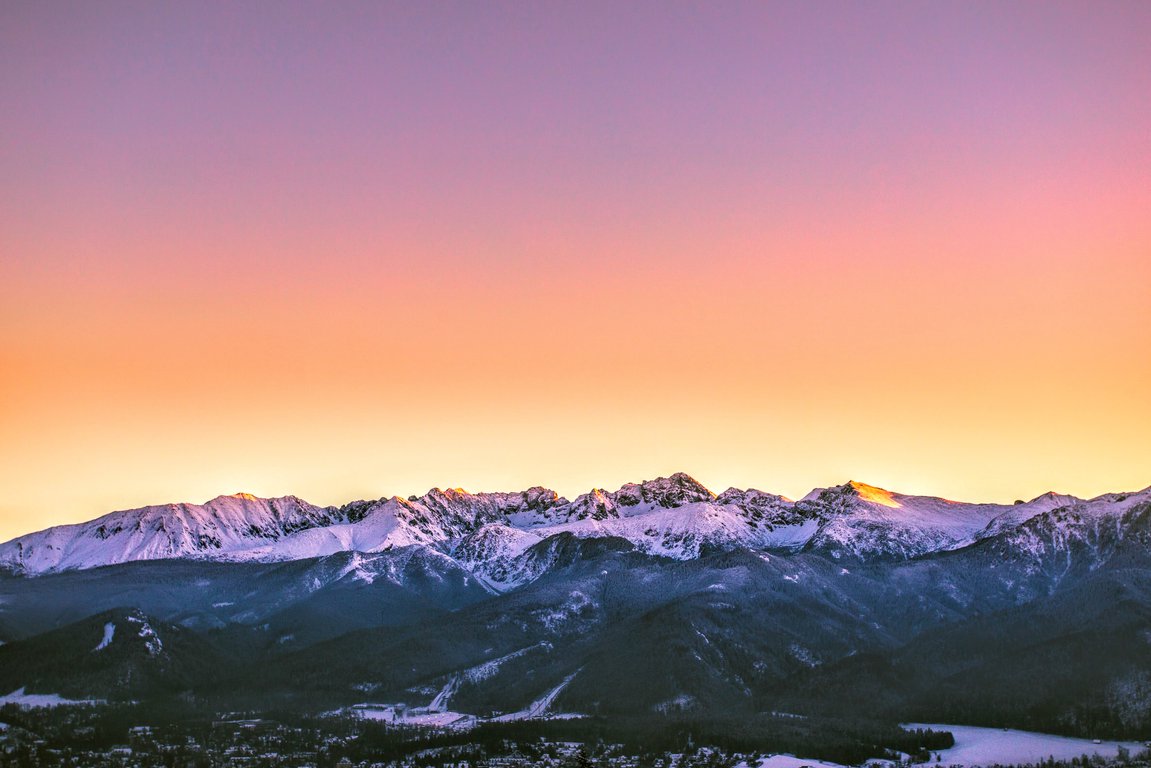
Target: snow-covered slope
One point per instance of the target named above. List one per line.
(681, 532)
(244, 527)
(488, 533)
(493, 553)
(221, 525)
(860, 520)
(1090, 532)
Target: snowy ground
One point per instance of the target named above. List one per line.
(447, 719)
(436, 714)
(539, 707)
(35, 700)
(791, 761)
(984, 746)
(418, 717)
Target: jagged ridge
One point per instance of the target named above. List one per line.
(491, 534)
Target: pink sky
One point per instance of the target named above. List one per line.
(366, 249)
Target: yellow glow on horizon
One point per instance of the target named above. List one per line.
(572, 272)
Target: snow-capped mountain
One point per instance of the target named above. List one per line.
(862, 521)
(487, 533)
(224, 524)
(1089, 532)
(660, 596)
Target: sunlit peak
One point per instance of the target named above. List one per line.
(875, 495)
(448, 492)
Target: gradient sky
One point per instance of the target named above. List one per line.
(357, 249)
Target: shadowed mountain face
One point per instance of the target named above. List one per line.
(658, 598)
(117, 654)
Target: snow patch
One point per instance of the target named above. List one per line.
(539, 707)
(577, 604)
(440, 702)
(681, 703)
(41, 700)
(151, 639)
(109, 633)
(488, 669)
(803, 655)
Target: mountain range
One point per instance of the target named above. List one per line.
(660, 597)
(674, 517)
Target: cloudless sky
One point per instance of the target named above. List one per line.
(360, 249)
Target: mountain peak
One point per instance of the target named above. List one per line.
(857, 490)
(448, 492)
(1054, 496)
(232, 497)
(673, 491)
(680, 480)
(874, 494)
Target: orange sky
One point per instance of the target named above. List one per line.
(914, 265)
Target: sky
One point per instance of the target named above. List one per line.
(354, 250)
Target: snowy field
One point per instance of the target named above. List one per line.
(36, 700)
(791, 761)
(985, 746)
